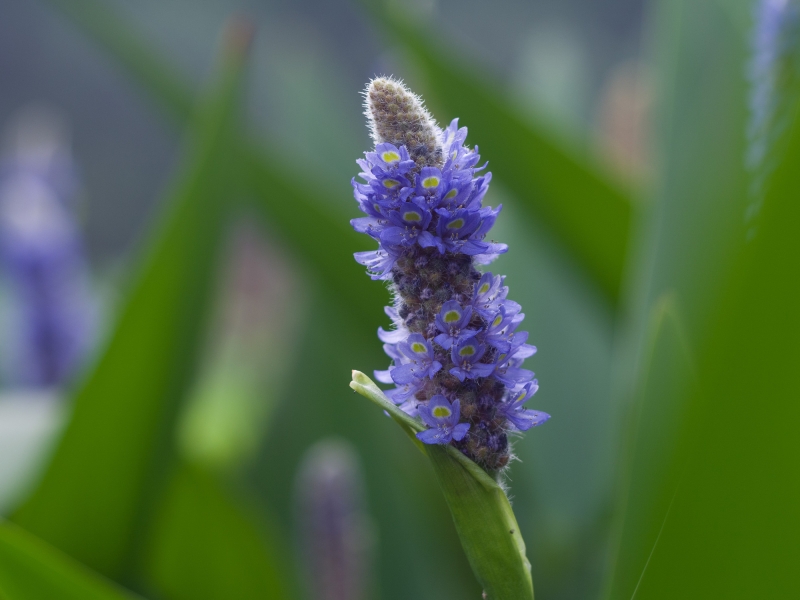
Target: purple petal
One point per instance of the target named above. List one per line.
(405, 373)
(460, 373)
(481, 370)
(459, 431)
(444, 340)
(392, 337)
(433, 436)
(524, 418)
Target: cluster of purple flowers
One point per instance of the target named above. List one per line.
(456, 349)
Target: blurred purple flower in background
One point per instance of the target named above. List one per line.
(50, 316)
(775, 86)
(335, 535)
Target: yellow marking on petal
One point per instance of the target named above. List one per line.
(456, 224)
(497, 320)
(451, 316)
(441, 411)
(430, 182)
(520, 397)
(412, 216)
(451, 194)
(467, 351)
(484, 288)
(390, 183)
(417, 347)
(390, 156)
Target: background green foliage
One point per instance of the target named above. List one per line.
(667, 345)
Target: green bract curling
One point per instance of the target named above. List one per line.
(481, 511)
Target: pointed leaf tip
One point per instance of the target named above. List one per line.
(359, 377)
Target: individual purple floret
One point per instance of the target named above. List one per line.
(452, 321)
(442, 418)
(457, 355)
(419, 352)
(523, 418)
(466, 357)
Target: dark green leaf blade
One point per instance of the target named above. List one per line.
(650, 480)
(32, 570)
(733, 528)
(322, 239)
(110, 461)
(206, 545)
(696, 225)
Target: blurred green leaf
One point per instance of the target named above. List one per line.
(582, 207)
(95, 496)
(480, 509)
(688, 244)
(701, 115)
(656, 420)
(206, 546)
(32, 570)
(323, 240)
(733, 530)
(418, 554)
(289, 204)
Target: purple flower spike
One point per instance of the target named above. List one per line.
(456, 351)
(442, 418)
(51, 311)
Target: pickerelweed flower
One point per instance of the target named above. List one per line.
(775, 87)
(42, 258)
(334, 524)
(455, 347)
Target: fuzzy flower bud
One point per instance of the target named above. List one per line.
(399, 117)
(456, 349)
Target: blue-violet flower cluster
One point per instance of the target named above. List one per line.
(456, 349)
(50, 309)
